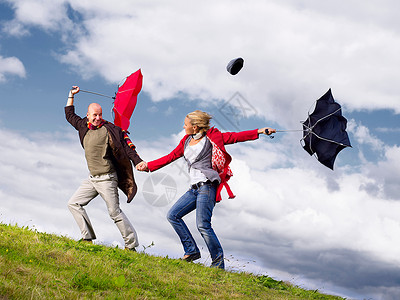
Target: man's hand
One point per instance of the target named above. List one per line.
(75, 90)
(72, 92)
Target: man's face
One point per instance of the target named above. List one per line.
(95, 114)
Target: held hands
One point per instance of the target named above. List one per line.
(266, 130)
(142, 166)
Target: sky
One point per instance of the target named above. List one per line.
(292, 219)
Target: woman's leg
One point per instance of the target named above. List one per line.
(205, 205)
(182, 207)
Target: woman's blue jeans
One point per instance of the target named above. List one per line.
(203, 201)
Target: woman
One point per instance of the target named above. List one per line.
(208, 162)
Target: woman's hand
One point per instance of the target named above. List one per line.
(266, 130)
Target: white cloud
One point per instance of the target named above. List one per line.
(181, 56)
(291, 214)
(283, 216)
(297, 205)
(363, 136)
(388, 130)
(11, 66)
(293, 51)
(379, 163)
(384, 175)
(46, 14)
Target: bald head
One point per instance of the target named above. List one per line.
(94, 106)
(94, 114)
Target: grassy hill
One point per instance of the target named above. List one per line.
(36, 265)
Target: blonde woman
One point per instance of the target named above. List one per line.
(203, 148)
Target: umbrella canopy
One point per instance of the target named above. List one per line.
(126, 98)
(324, 131)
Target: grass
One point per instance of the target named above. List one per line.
(35, 265)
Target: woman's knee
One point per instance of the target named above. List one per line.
(203, 226)
(172, 217)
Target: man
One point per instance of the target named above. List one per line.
(108, 157)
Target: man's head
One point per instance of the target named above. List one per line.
(95, 114)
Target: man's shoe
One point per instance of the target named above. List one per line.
(130, 249)
(191, 257)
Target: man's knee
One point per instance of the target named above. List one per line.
(72, 205)
(114, 213)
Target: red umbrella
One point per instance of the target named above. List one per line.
(126, 98)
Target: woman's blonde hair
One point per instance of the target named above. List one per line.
(200, 119)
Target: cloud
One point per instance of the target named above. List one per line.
(11, 66)
(292, 216)
(183, 52)
(190, 57)
(45, 14)
(287, 218)
(384, 175)
(363, 135)
(51, 16)
(388, 130)
(182, 57)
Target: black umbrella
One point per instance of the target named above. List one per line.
(324, 131)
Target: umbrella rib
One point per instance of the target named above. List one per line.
(114, 108)
(310, 129)
(328, 140)
(327, 116)
(125, 91)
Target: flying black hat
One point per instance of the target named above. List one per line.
(235, 65)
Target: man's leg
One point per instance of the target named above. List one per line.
(107, 187)
(83, 195)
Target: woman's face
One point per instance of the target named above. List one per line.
(189, 128)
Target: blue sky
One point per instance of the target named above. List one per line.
(294, 218)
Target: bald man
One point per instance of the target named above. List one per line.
(108, 158)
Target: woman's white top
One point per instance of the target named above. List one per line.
(191, 153)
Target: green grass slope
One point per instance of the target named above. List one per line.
(36, 265)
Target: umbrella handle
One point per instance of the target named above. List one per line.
(271, 136)
(266, 132)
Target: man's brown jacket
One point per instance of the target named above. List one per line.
(122, 154)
